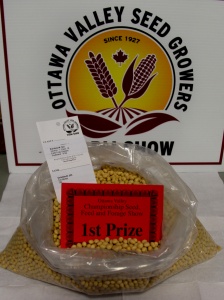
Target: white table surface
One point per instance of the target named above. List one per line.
(202, 282)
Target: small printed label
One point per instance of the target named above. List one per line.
(66, 152)
(96, 211)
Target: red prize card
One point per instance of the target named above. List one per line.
(96, 211)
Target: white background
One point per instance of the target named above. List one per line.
(33, 28)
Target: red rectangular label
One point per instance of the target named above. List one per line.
(96, 211)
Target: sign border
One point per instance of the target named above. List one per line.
(7, 74)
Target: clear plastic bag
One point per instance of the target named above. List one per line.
(20, 258)
(179, 229)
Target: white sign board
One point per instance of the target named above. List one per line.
(145, 72)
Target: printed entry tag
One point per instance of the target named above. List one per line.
(66, 152)
(96, 211)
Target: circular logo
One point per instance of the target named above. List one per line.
(120, 75)
(70, 126)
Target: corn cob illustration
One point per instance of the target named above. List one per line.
(142, 73)
(102, 76)
(135, 83)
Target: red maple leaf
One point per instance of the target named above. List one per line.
(120, 57)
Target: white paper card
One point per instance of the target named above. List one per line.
(66, 152)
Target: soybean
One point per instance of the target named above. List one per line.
(20, 258)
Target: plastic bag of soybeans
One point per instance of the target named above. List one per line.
(109, 266)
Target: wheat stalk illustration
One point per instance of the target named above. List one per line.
(102, 76)
(135, 83)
